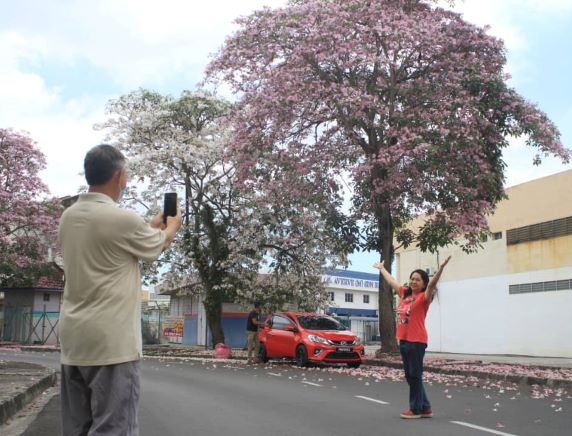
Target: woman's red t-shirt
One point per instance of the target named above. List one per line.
(411, 314)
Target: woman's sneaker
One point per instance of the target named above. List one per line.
(409, 414)
(427, 413)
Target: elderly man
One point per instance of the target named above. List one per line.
(100, 321)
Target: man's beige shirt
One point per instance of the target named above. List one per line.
(100, 320)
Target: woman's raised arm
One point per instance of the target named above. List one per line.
(433, 282)
(388, 277)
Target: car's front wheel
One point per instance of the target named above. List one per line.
(262, 356)
(301, 355)
(354, 364)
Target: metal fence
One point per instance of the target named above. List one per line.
(367, 329)
(29, 327)
(24, 326)
(152, 325)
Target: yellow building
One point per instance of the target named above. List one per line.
(514, 296)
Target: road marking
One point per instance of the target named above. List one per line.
(312, 384)
(371, 399)
(274, 374)
(489, 430)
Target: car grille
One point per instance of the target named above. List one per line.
(342, 343)
(341, 355)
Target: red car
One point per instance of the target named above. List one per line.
(309, 337)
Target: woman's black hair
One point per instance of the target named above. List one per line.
(424, 277)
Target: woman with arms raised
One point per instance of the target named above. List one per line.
(411, 332)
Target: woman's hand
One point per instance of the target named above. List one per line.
(387, 277)
(445, 262)
(433, 282)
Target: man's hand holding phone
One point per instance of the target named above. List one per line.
(169, 219)
(172, 218)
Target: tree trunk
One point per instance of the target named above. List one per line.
(214, 321)
(385, 295)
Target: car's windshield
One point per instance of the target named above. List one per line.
(320, 323)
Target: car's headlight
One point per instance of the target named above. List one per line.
(319, 339)
(357, 341)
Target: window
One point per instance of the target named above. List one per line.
(46, 297)
(496, 235)
(331, 296)
(366, 299)
(320, 323)
(349, 298)
(279, 322)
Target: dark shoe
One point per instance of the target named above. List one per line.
(427, 413)
(409, 414)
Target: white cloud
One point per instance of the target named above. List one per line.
(519, 158)
(137, 43)
(62, 129)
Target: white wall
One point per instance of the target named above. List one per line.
(51, 306)
(479, 316)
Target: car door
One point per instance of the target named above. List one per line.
(279, 341)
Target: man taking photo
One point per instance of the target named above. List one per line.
(100, 320)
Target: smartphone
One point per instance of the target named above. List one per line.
(169, 205)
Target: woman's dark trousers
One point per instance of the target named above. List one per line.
(412, 354)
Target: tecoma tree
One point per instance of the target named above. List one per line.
(405, 100)
(178, 144)
(28, 216)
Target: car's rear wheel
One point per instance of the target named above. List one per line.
(301, 355)
(354, 364)
(262, 356)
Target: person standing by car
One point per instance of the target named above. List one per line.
(411, 332)
(252, 333)
(100, 320)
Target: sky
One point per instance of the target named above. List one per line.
(61, 61)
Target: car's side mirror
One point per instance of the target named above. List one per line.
(290, 328)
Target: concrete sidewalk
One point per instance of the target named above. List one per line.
(555, 362)
(20, 383)
(525, 370)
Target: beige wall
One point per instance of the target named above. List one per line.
(539, 255)
(540, 200)
(490, 261)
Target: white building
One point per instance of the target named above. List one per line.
(352, 293)
(514, 296)
(354, 296)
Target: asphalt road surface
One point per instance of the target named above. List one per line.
(213, 398)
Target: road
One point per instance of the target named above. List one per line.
(213, 398)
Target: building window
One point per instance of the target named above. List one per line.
(349, 298)
(496, 235)
(331, 296)
(535, 232)
(46, 297)
(554, 285)
(366, 299)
